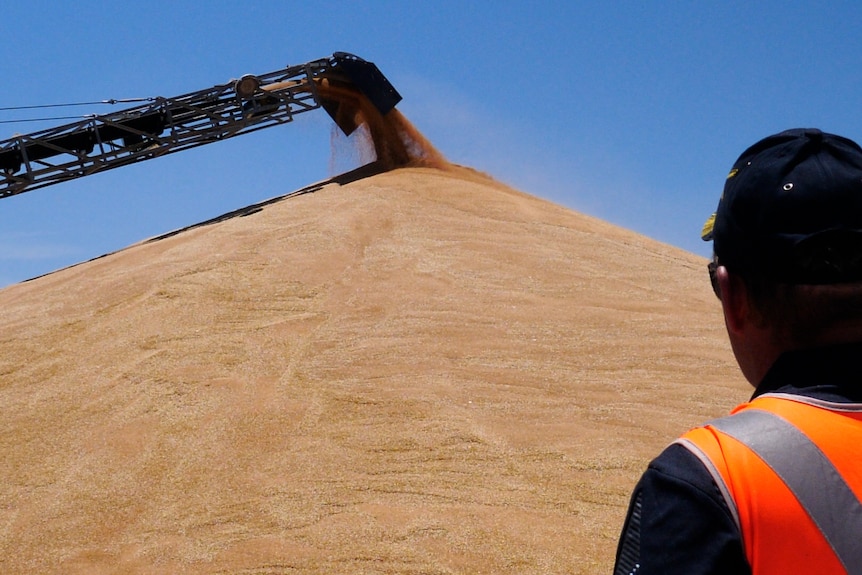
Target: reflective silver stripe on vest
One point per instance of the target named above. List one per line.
(807, 472)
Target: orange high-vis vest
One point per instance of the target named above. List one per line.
(790, 469)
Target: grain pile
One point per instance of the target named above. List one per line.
(421, 371)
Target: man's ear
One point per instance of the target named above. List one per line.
(734, 300)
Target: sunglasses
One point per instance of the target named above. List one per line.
(712, 267)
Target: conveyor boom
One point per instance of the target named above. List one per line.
(168, 125)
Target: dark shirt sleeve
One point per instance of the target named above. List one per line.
(678, 522)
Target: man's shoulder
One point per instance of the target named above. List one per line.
(678, 521)
(678, 463)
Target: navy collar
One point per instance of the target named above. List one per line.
(827, 373)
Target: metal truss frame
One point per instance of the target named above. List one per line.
(169, 125)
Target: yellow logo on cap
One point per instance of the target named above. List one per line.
(708, 227)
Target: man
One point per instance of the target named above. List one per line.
(774, 487)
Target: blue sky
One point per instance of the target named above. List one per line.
(629, 111)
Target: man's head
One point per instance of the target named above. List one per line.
(792, 210)
(788, 229)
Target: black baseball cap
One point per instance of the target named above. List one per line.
(791, 210)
